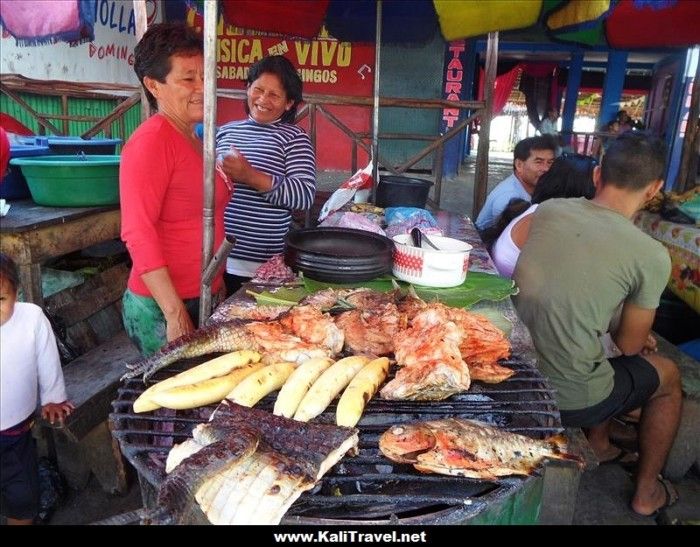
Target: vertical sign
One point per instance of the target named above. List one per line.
(453, 90)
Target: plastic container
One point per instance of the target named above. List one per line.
(14, 185)
(76, 145)
(73, 145)
(446, 267)
(397, 191)
(72, 181)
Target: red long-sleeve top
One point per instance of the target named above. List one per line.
(161, 194)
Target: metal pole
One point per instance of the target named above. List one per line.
(141, 15)
(375, 110)
(481, 176)
(210, 16)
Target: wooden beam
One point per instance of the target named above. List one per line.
(344, 100)
(434, 145)
(117, 112)
(42, 121)
(340, 125)
(481, 175)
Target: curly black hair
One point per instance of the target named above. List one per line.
(160, 42)
(289, 77)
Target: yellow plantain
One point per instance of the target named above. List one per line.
(259, 384)
(298, 384)
(203, 393)
(329, 384)
(360, 390)
(218, 366)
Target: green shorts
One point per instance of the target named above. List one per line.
(145, 323)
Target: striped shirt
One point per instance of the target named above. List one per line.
(260, 220)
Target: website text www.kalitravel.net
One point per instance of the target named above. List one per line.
(350, 536)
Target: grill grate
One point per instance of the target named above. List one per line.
(367, 488)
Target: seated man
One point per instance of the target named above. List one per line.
(532, 158)
(582, 260)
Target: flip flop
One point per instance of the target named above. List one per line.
(672, 498)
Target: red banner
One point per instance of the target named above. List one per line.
(325, 65)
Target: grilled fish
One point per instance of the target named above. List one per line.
(469, 448)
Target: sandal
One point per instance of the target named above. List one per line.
(672, 498)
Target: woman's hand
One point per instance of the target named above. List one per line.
(53, 412)
(178, 324)
(238, 169)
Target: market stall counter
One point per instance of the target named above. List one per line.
(368, 488)
(32, 234)
(683, 244)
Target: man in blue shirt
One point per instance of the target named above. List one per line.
(532, 158)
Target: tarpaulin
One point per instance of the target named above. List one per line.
(49, 21)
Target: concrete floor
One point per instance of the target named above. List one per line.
(604, 492)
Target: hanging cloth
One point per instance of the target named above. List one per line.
(49, 21)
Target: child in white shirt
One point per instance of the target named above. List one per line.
(30, 371)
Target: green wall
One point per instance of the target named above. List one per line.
(415, 72)
(76, 106)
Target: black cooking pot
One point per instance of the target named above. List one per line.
(338, 255)
(398, 191)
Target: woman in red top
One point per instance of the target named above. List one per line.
(161, 190)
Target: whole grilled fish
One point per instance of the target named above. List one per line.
(469, 448)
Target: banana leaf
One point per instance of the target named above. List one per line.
(477, 287)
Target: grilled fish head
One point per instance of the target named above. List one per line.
(404, 443)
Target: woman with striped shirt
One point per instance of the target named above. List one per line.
(272, 164)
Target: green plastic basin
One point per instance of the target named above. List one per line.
(71, 181)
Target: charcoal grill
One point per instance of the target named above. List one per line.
(367, 488)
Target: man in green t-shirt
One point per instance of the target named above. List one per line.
(582, 261)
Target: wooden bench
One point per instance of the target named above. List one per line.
(84, 443)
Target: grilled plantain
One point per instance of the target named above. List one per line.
(298, 384)
(360, 390)
(260, 383)
(205, 392)
(329, 384)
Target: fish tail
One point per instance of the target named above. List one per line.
(560, 445)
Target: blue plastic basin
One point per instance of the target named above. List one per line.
(14, 185)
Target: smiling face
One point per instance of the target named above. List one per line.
(267, 99)
(8, 297)
(181, 96)
(536, 165)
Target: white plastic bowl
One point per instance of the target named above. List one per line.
(428, 267)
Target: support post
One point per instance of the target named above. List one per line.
(573, 83)
(612, 86)
(481, 176)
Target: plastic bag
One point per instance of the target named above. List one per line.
(360, 183)
(355, 221)
(401, 220)
(52, 489)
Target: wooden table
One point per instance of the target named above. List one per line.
(32, 234)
